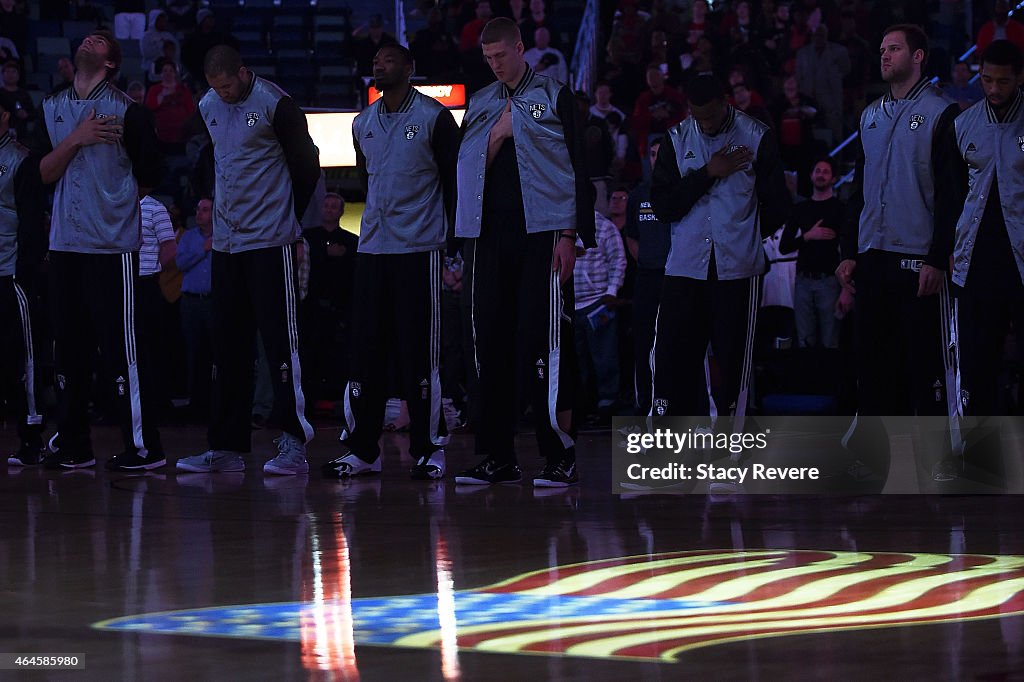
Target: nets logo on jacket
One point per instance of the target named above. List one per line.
(3, 170)
(410, 131)
(1020, 142)
(537, 110)
(251, 118)
(915, 121)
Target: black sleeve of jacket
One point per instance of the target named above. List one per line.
(565, 107)
(300, 153)
(143, 147)
(672, 196)
(950, 171)
(204, 173)
(770, 183)
(43, 145)
(790, 242)
(849, 239)
(28, 198)
(445, 145)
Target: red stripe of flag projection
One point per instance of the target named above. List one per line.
(649, 607)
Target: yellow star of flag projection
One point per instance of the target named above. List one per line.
(649, 607)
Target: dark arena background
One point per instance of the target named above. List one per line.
(900, 557)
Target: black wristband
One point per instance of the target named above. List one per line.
(568, 236)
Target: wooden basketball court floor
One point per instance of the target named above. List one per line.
(244, 576)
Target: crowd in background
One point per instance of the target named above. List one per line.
(805, 68)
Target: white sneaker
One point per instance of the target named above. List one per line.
(212, 461)
(291, 457)
(349, 465)
(452, 416)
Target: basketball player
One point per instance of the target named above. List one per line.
(406, 145)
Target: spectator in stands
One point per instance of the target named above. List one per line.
(169, 55)
(698, 62)
(152, 43)
(14, 24)
(158, 249)
(776, 37)
(698, 26)
(626, 43)
(602, 105)
(172, 104)
(598, 275)
(648, 242)
(741, 95)
(65, 75)
(799, 33)
(136, 91)
(129, 19)
(960, 89)
(195, 47)
(820, 69)
(738, 25)
(8, 50)
(665, 15)
(15, 99)
(813, 230)
(862, 59)
(558, 70)
(469, 38)
(538, 19)
(626, 47)
(181, 13)
(517, 11)
(740, 74)
(548, 65)
(657, 109)
(617, 201)
(193, 259)
(664, 54)
(327, 310)
(1001, 27)
(364, 47)
(620, 142)
(434, 49)
(795, 114)
(598, 151)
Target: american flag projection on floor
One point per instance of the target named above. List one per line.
(649, 607)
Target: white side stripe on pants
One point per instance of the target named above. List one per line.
(291, 318)
(555, 309)
(748, 357)
(30, 363)
(434, 273)
(128, 312)
(951, 365)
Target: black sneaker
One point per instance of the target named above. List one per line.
(28, 455)
(557, 475)
(136, 461)
(489, 472)
(429, 468)
(68, 459)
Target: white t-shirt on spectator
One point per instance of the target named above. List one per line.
(156, 229)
